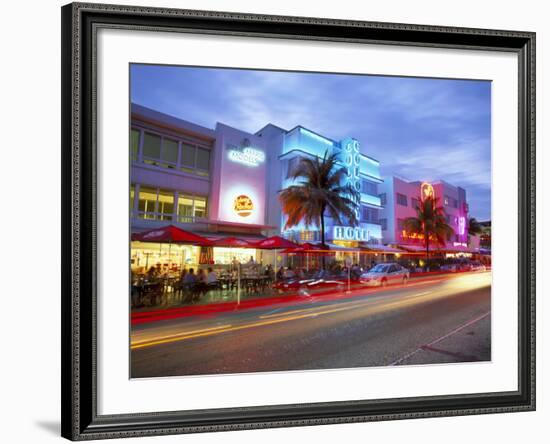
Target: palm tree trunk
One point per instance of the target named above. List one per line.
(323, 236)
(427, 250)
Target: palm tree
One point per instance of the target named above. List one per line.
(430, 223)
(474, 228)
(321, 190)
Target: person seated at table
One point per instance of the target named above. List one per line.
(251, 261)
(212, 277)
(151, 274)
(289, 273)
(280, 273)
(269, 272)
(300, 274)
(190, 279)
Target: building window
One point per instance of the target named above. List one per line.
(369, 214)
(151, 148)
(384, 224)
(165, 208)
(292, 165)
(134, 144)
(147, 203)
(368, 187)
(165, 152)
(307, 235)
(382, 198)
(169, 153)
(190, 208)
(203, 159)
(132, 198)
(401, 199)
(415, 203)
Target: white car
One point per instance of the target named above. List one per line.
(385, 274)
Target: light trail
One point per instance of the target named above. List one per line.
(369, 306)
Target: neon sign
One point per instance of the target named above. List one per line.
(461, 225)
(243, 205)
(352, 160)
(426, 191)
(416, 236)
(350, 233)
(248, 156)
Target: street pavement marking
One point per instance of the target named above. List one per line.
(435, 341)
(183, 334)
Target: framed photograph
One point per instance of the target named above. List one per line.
(275, 221)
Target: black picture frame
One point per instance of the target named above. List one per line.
(80, 22)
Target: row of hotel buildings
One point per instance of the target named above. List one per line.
(225, 182)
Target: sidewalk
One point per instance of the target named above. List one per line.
(470, 342)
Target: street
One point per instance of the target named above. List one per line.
(441, 319)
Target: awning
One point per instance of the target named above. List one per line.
(170, 234)
(232, 242)
(413, 248)
(275, 243)
(381, 249)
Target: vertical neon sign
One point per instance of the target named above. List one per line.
(352, 160)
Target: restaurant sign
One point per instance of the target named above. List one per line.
(243, 205)
(247, 156)
(350, 233)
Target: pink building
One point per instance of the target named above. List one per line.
(400, 198)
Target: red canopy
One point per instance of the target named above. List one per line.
(171, 234)
(307, 248)
(275, 243)
(232, 242)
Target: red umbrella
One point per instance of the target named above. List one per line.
(171, 234)
(232, 242)
(303, 248)
(275, 243)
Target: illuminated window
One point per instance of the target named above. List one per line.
(132, 198)
(147, 203)
(307, 235)
(401, 199)
(185, 208)
(200, 207)
(191, 207)
(165, 204)
(134, 144)
(195, 160)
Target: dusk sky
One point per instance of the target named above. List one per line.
(420, 129)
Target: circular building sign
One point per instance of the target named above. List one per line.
(243, 205)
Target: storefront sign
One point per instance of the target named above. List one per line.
(243, 205)
(247, 156)
(350, 233)
(459, 244)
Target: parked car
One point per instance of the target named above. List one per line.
(385, 274)
(456, 266)
(477, 266)
(322, 280)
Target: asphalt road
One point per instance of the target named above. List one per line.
(441, 320)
